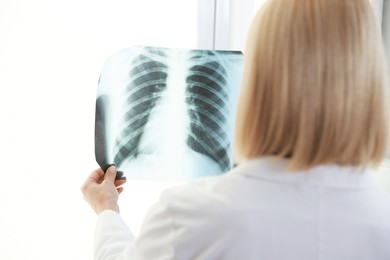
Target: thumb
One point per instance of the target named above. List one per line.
(110, 173)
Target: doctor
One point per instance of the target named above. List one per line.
(311, 128)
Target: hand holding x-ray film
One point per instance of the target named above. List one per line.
(167, 114)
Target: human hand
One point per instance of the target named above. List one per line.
(102, 191)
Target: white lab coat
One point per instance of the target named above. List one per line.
(259, 211)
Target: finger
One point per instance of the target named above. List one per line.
(119, 182)
(94, 178)
(110, 174)
(96, 175)
(120, 189)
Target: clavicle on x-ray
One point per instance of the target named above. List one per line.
(167, 114)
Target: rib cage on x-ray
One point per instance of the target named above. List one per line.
(147, 83)
(167, 114)
(207, 98)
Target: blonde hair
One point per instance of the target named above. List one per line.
(314, 85)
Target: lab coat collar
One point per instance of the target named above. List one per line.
(332, 175)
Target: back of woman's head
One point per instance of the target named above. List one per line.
(314, 85)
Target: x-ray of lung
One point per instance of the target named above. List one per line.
(167, 114)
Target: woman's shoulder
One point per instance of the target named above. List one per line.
(263, 182)
(205, 192)
(206, 186)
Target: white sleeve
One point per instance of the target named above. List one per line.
(112, 236)
(114, 240)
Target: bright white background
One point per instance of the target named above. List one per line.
(51, 54)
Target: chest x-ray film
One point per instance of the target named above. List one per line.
(167, 114)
